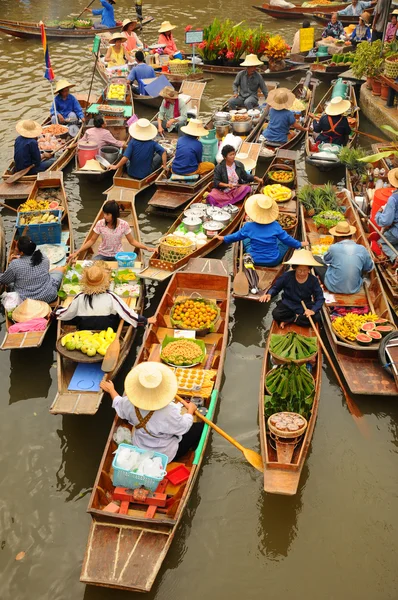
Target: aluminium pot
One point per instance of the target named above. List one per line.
(242, 127)
(222, 216)
(192, 223)
(212, 228)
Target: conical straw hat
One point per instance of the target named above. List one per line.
(303, 258)
(30, 309)
(262, 209)
(252, 60)
(62, 84)
(247, 162)
(151, 386)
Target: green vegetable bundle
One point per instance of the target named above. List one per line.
(293, 346)
(328, 218)
(290, 381)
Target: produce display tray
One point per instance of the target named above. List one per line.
(76, 355)
(128, 110)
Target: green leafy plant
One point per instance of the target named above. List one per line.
(328, 218)
(392, 150)
(351, 158)
(368, 61)
(318, 199)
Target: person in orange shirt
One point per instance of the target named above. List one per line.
(133, 42)
(166, 37)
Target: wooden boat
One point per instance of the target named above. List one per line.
(326, 72)
(54, 180)
(311, 157)
(295, 136)
(87, 403)
(26, 29)
(126, 551)
(359, 365)
(284, 459)
(291, 13)
(3, 250)
(268, 275)
(268, 75)
(324, 17)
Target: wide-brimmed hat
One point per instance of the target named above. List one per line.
(252, 60)
(395, 12)
(118, 36)
(280, 98)
(151, 386)
(62, 84)
(28, 128)
(365, 16)
(30, 309)
(95, 279)
(169, 93)
(392, 176)
(342, 228)
(166, 26)
(303, 258)
(91, 165)
(143, 130)
(337, 106)
(247, 162)
(195, 128)
(127, 22)
(261, 209)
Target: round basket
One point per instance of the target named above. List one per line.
(173, 254)
(284, 168)
(287, 434)
(291, 226)
(178, 68)
(76, 355)
(391, 66)
(199, 332)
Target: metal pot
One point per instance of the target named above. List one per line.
(192, 223)
(222, 216)
(212, 228)
(110, 153)
(196, 210)
(222, 128)
(242, 126)
(232, 209)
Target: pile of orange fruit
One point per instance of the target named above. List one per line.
(194, 314)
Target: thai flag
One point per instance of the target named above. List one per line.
(49, 73)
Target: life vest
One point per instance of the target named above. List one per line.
(333, 128)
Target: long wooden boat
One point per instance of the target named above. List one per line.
(324, 17)
(268, 275)
(3, 249)
(266, 74)
(291, 13)
(82, 402)
(311, 157)
(284, 459)
(31, 29)
(126, 551)
(359, 365)
(45, 181)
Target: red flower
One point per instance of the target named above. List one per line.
(188, 28)
(202, 45)
(230, 55)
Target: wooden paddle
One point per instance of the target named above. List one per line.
(9, 207)
(88, 6)
(18, 175)
(372, 137)
(352, 407)
(252, 457)
(241, 284)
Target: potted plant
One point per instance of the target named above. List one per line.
(276, 51)
(368, 63)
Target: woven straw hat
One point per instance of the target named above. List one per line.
(337, 106)
(392, 177)
(143, 130)
(395, 12)
(166, 26)
(151, 386)
(92, 165)
(62, 84)
(30, 309)
(280, 98)
(365, 16)
(168, 93)
(252, 60)
(127, 22)
(261, 209)
(303, 258)
(195, 128)
(118, 36)
(342, 228)
(95, 279)
(28, 128)
(246, 161)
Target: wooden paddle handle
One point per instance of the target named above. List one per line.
(9, 207)
(377, 230)
(372, 137)
(213, 426)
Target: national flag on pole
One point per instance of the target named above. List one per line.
(49, 73)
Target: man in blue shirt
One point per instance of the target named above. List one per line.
(355, 9)
(26, 149)
(387, 217)
(139, 72)
(189, 151)
(143, 154)
(107, 14)
(281, 119)
(68, 107)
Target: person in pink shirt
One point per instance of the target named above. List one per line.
(391, 30)
(100, 135)
(166, 37)
(133, 42)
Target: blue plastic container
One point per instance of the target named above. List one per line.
(41, 233)
(178, 55)
(131, 480)
(126, 259)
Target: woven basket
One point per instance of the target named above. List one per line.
(173, 254)
(391, 67)
(178, 68)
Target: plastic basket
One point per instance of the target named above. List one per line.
(172, 253)
(126, 259)
(41, 233)
(391, 67)
(131, 480)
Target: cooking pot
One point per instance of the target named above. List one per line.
(110, 153)
(192, 223)
(222, 128)
(242, 127)
(198, 210)
(232, 209)
(222, 216)
(212, 228)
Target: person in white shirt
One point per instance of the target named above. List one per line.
(150, 389)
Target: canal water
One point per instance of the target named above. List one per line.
(335, 540)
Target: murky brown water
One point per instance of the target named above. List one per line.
(335, 540)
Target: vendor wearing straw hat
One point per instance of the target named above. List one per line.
(189, 151)
(27, 151)
(247, 84)
(166, 38)
(143, 154)
(263, 237)
(132, 42)
(387, 217)
(68, 107)
(116, 55)
(281, 118)
(172, 112)
(297, 285)
(391, 31)
(333, 126)
(96, 307)
(150, 389)
(107, 13)
(346, 261)
(361, 32)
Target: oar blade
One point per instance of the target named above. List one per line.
(111, 357)
(254, 459)
(241, 285)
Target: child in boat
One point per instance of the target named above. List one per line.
(150, 389)
(297, 285)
